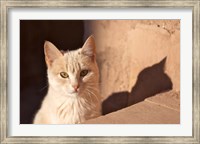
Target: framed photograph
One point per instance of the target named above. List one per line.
(99, 72)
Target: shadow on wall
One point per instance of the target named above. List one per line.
(151, 80)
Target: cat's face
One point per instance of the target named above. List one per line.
(72, 73)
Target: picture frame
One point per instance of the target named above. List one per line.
(6, 5)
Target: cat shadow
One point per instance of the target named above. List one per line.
(150, 81)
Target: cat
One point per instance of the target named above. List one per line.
(73, 95)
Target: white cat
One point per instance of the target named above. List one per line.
(73, 94)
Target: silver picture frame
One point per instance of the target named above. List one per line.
(5, 5)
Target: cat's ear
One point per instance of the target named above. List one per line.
(89, 48)
(51, 53)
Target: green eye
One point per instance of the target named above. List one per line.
(84, 73)
(64, 75)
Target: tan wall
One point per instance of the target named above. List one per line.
(125, 48)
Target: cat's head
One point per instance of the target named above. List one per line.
(72, 73)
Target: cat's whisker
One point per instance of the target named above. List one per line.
(93, 94)
(87, 92)
(93, 88)
(93, 83)
(43, 88)
(88, 101)
(91, 98)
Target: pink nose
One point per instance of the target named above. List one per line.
(75, 87)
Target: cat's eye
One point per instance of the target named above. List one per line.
(84, 73)
(64, 75)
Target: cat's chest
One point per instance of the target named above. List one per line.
(71, 111)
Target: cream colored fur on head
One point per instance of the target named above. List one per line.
(73, 94)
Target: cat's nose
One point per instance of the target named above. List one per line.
(75, 87)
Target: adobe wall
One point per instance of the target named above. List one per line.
(131, 55)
